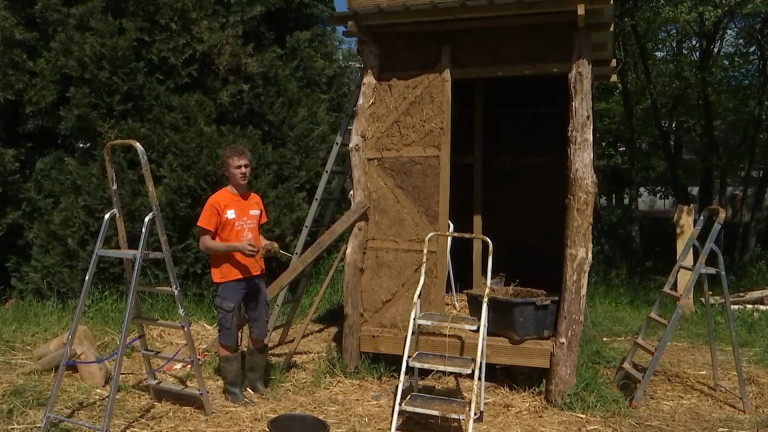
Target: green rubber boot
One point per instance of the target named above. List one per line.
(232, 375)
(255, 367)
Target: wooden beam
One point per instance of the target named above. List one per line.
(304, 260)
(512, 70)
(444, 188)
(579, 205)
(384, 243)
(602, 67)
(683, 228)
(404, 152)
(507, 21)
(533, 353)
(477, 186)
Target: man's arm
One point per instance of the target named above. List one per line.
(207, 244)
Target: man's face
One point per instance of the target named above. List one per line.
(238, 171)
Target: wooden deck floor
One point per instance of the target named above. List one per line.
(534, 353)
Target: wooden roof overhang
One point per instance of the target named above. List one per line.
(371, 16)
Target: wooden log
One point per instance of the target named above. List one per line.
(578, 226)
(750, 297)
(353, 301)
(353, 260)
(304, 260)
(683, 229)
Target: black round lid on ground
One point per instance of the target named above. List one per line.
(297, 422)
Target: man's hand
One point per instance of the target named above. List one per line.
(270, 248)
(248, 249)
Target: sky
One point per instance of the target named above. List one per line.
(341, 5)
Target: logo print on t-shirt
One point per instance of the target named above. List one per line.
(254, 212)
(230, 214)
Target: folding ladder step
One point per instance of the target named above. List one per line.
(442, 362)
(176, 388)
(436, 406)
(127, 253)
(447, 320)
(158, 355)
(645, 346)
(155, 289)
(675, 295)
(704, 270)
(74, 422)
(653, 317)
(634, 373)
(158, 322)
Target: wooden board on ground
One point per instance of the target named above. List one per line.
(533, 353)
(683, 229)
(753, 297)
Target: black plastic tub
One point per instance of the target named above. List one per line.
(297, 422)
(517, 319)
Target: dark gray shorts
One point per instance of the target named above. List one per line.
(251, 292)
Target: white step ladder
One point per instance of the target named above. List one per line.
(465, 410)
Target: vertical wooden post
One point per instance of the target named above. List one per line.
(578, 226)
(353, 260)
(477, 186)
(444, 191)
(683, 230)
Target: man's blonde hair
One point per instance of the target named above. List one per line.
(232, 151)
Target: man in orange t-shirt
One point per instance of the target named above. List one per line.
(230, 233)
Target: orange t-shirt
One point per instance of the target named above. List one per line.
(233, 219)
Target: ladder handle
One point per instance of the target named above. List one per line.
(144, 167)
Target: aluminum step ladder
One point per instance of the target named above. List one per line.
(709, 224)
(337, 172)
(132, 260)
(467, 411)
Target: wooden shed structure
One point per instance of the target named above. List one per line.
(477, 112)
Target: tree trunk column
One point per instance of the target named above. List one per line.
(579, 205)
(353, 262)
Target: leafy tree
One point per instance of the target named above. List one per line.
(692, 89)
(183, 77)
